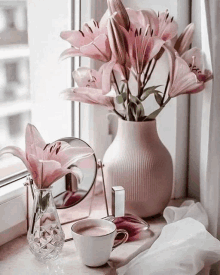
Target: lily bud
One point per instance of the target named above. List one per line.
(122, 18)
(185, 39)
(117, 41)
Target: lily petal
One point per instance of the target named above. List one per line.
(106, 76)
(185, 39)
(168, 28)
(75, 38)
(33, 139)
(72, 52)
(142, 18)
(98, 49)
(35, 170)
(88, 95)
(86, 77)
(104, 21)
(17, 152)
(171, 59)
(152, 49)
(67, 155)
(52, 171)
(193, 57)
(184, 80)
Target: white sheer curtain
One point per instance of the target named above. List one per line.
(210, 131)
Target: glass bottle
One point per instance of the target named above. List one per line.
(45, 234)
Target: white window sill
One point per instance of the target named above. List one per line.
(12, 190)
(12, 211)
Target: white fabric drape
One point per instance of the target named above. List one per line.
(210, 132)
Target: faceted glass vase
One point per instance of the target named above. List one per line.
(45, 234)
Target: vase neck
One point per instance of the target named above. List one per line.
(137, 131)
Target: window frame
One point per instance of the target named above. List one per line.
(13, 206)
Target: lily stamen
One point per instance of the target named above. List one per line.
(82, 33)
(193, 62)
(46, 146)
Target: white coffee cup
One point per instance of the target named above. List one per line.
(94, 240)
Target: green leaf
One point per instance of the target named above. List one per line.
(158, 98)
(43, 202)
(131, 112)
(135, 108)
(150, 90)
(135, 100)
(148, 119)
(155, 113)
(121, 98)
(139, 106)
(122, 87)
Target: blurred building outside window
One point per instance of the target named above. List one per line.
(15, 97)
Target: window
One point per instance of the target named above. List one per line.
(51, 115)
(15, 99)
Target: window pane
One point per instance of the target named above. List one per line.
(15, 99)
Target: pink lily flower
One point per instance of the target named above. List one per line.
(184, 80)
(90, 88)
(194, 60)
(161, 25)
(47, 162)
(168, 28)
(91, 42)
(185, 39)
(142, 48)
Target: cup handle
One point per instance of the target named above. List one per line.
(126, 235)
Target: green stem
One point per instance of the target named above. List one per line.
(116, 82)
(33, 222)
(165, 103)
(117, 113)
(165, 90)
(139, 85)
(117, 87)
(148, 78)
(148, 68)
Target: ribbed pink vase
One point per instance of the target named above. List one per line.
(138, 161)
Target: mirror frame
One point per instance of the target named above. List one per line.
(95, 175)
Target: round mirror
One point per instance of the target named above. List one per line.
(68, 191)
